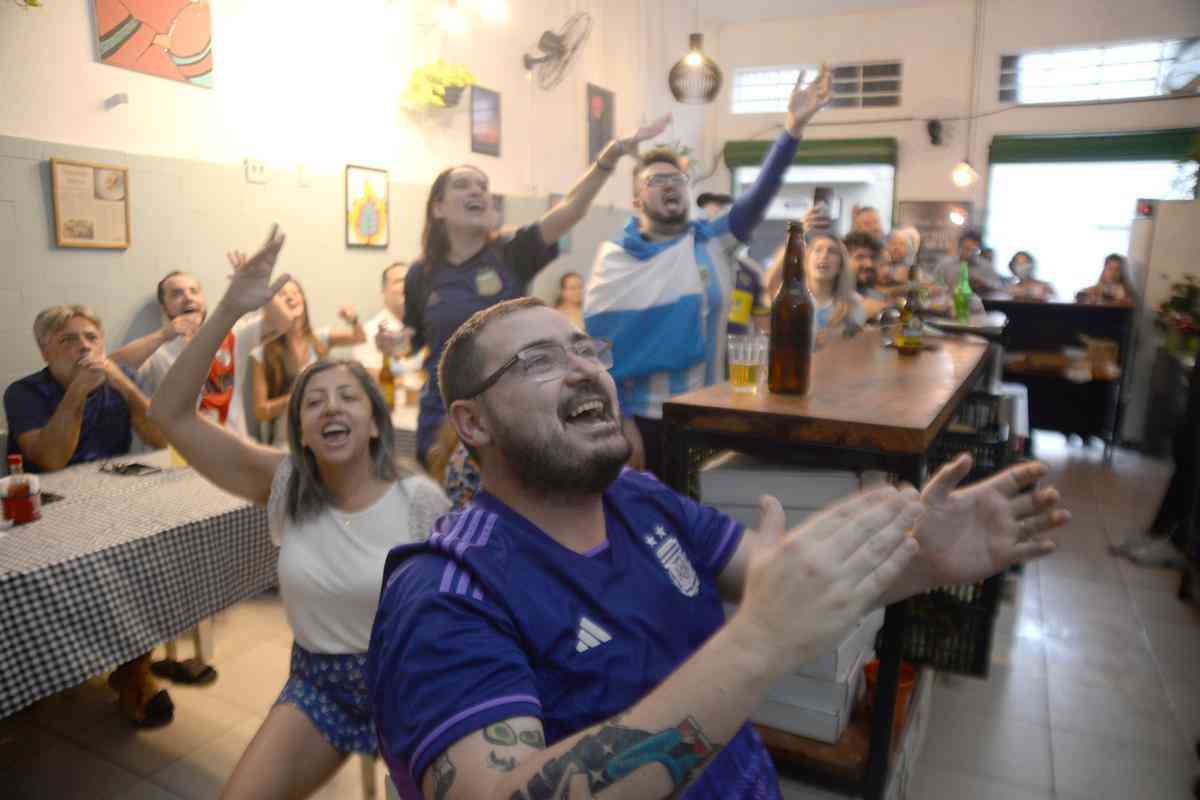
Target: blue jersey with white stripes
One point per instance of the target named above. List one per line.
(492, 619)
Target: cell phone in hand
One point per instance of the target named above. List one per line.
(823, 194)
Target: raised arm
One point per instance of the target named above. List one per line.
(134, 354)
(230, 461)
(564, 216)
(834, 567)
(749, 208)
(353, 335)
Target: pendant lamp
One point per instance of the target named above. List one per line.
(695, 79)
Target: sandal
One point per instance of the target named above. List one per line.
(190, 672)
(158, 712)
(130, 682)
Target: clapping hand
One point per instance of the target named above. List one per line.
(91, 374)
(832, 570)
(250, 285)
(979, 530)
(807, 101)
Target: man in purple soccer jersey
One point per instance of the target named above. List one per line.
(563, 634)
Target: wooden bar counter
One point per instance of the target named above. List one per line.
(868, 407)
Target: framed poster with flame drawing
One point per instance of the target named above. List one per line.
(366, 207)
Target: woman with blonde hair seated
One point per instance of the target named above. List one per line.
(831, 280)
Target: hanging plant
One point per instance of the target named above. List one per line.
(683, 151)
(437, 85)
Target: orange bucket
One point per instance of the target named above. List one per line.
(908, 679)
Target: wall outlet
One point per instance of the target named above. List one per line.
(255, 171)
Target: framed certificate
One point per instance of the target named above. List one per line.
(91, 204)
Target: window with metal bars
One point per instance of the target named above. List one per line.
(1118, 71)
(765, 90)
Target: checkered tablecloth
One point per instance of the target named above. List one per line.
(116, 567)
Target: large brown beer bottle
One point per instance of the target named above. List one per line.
(793, 317)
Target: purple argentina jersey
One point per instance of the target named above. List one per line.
(492, 619)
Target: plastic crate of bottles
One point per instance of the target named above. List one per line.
(950, 628)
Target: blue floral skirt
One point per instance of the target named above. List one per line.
(331, 690)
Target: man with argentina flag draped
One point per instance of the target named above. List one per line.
(661, 292)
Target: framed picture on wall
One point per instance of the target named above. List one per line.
(366, 207)
(91, 204)
(600, 119)
(485, 121)
(564, 243)
(165, 38)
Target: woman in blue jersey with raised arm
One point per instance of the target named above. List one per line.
(465, 267)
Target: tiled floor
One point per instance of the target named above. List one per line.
(1093, 693)
(1094, 690)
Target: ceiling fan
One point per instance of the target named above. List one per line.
(556, 51)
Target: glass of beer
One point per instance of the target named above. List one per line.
(747, 354)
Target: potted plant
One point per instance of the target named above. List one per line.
(1178, 317)
(437, 85)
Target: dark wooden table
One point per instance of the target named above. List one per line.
(1094, 408)
(868, 408)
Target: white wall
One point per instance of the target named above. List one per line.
(297, 84)
(934, 43)
(318, 83)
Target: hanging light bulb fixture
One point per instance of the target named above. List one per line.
(964, 175)
(695, 79)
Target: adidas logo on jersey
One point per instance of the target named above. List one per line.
(590, 636)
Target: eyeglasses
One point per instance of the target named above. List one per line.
(664, 179)
(549, 361)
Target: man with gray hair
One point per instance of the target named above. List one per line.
(82, 406)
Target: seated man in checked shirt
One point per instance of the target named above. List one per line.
(83, 407)
(563, 635)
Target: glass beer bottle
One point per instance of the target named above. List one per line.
(909, 339)
(793, 318)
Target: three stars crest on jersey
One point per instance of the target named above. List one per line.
(674, 560)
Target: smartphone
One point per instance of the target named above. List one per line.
(823, 194)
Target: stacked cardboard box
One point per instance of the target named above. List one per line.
(816, 701)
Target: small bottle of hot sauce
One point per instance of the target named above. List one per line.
(21, 504)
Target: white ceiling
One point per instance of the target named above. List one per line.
(723, 11)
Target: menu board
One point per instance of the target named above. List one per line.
(91, 204)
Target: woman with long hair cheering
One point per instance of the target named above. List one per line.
(337, 501)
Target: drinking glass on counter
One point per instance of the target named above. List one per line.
(747, 361)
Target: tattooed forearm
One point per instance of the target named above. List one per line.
(615, 751)
(500, 733)
(443, 776)
(532, 739)
(503, 764)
